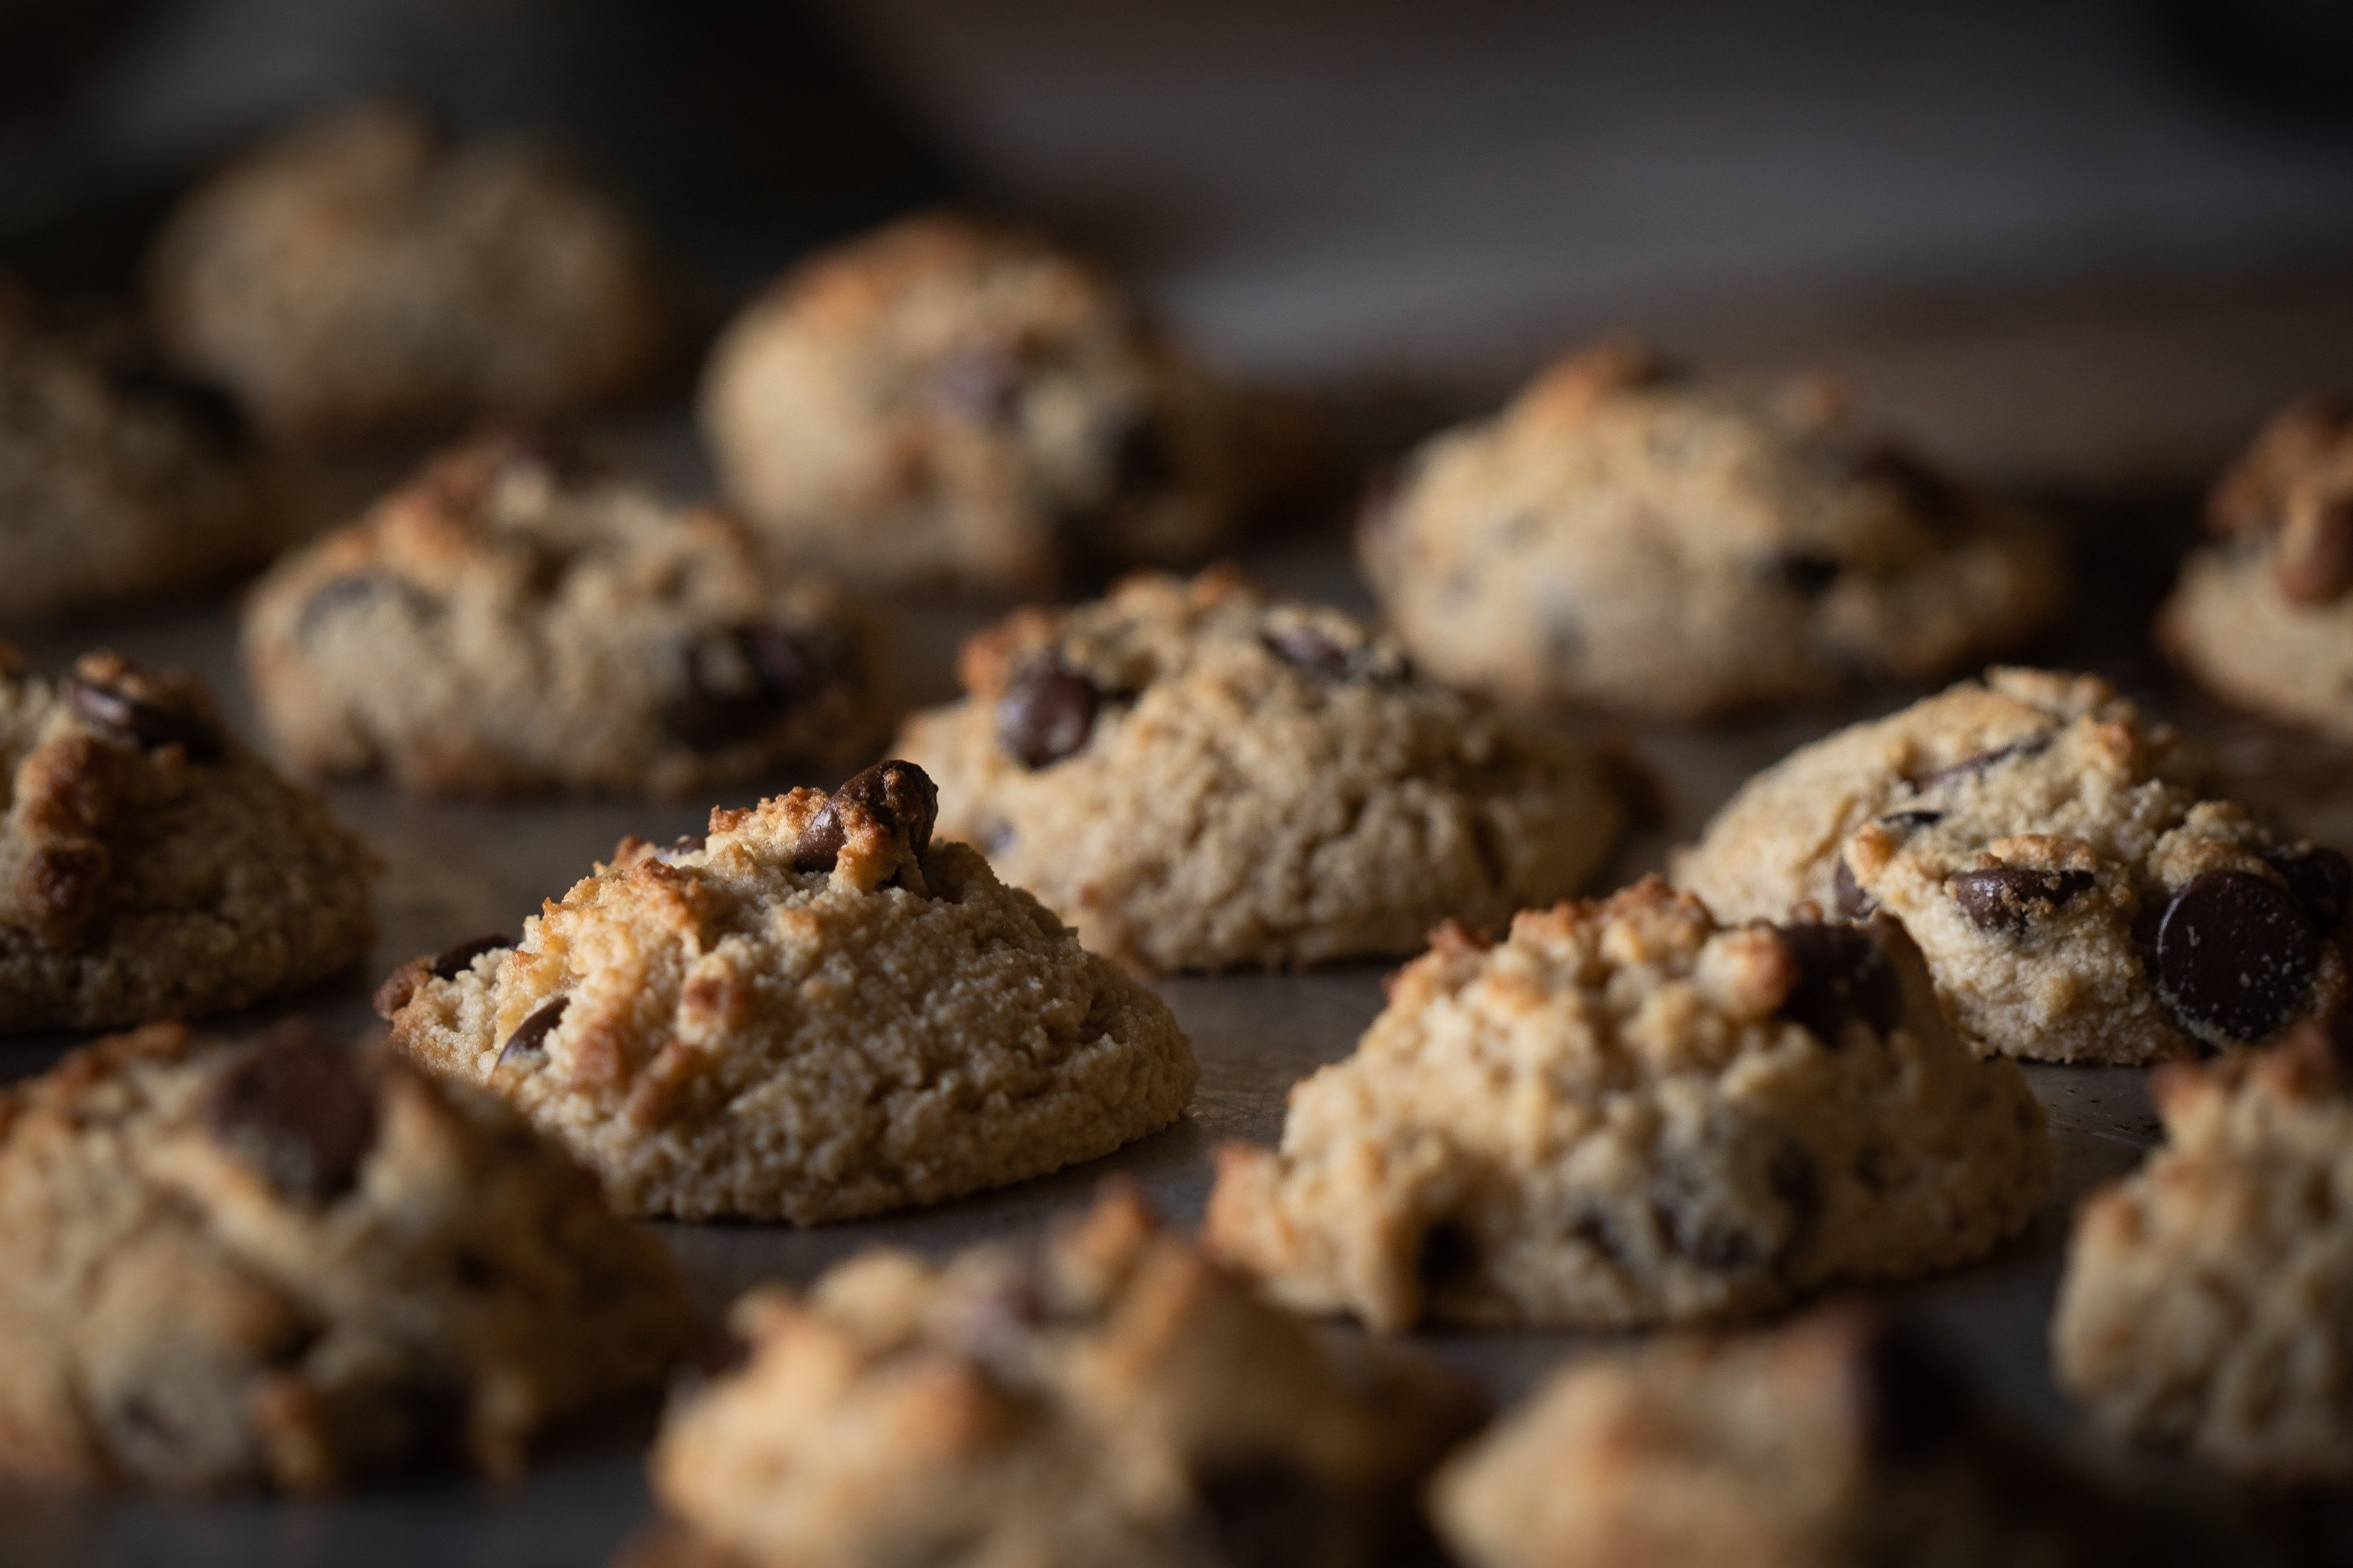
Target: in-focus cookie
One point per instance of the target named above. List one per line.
(119, 479)
(281, 1262)
(507, 621)
(945, 402)
(356, 278)
(1627, 1114)
(1109, 1397)
(2264, 615)
(811, 1013)
(2080, 892)
(151, 865)
(1198, 775)
(1838, 1442)
(1677, 546)
(2208, 1301)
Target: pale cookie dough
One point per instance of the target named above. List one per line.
(1626, 1114)
(151, 865)
(814, 1012)
(2079, 892)
(1674, 545)
(1107, 1397)
(357, 279)
(2208, 1303)
(2264, 616)
(948, 403)
(1199, 776)
(282, 1262)
(510, 621)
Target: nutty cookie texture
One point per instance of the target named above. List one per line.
(1676, 545)
(811, 1013)
(1109, 1397)
(511, 620)
(357, 278)
(1840, 1441)
(1199, 776)
(2263, 616)
(1627, 1114)
(151, 865)
(948, 401)
(281, 1262)
(2208, 1301)
(2063, 862)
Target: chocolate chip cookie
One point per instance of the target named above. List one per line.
(1627, 1114)
(2263, 616)
(151, 865)
(1109, 1397)
(358, 278)
(948, 403)
(812, 1013)
(2209, 1297)
(281, 1262)
(509, 621)
(1198, 775)
(1678, 545)
(2080, 892)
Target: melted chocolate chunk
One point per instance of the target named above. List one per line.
(1311, 651)
(1842, 974)
(1848, 894)
(1806, 572)
(1970, 767)
(451, 964)
(2010, 898)
(2235, 954)
(2320, 878)
(1909, 820)
(149, 725)
(1265, 1513)
(531, 1034)
(742, 682)
(1046, 714)
(897, 794)
(295, 1108)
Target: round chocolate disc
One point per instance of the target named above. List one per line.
(2235, 955)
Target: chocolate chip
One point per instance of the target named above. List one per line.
(531, 1034)
(1848, 894)
(295, 1108)
(1935, 499)
(1046, 714)
(1970, 767)
(1263, 1513)
(1842, 974)
(1310, 650)
(897, 794)
(821, 841)
(338, 595)
(685, 843)
(451, 964)
(742, 681)
(2008, 898)
(1806, 572)
(150, 725)
(1448, 1255)
(2321, 880)
(1915, 1407)
(1141, 462)
(981, 382)
(2235, 954)
(1732, 1244)
(1909, 820)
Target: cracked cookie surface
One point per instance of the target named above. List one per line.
(1198, 775)
(812, 1013)
(1626, 1114)
(2079, 890)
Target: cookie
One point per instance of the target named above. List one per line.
(1198, 775)
(2208, 1301)
(120, 479)
(1837, 1442)
(1625, 1113)
(952, 403)
(2080, 892)
(281, 1262)
(507, 622)
(812, 1013)
(357, 278)
(1677, 546)
(151, 865)
(2263, 616)
(1109, 1397)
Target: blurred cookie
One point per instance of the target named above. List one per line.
(2079, 891)
(151, 865)
(1107, 1397)
(1678, 545)
(2264, 616)
(812, 1014)
(1626, 1114)
(506, 622)
(281, 1262)
(356, 278)
(1200, 775)
(948, 403)
(2208, 1301)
